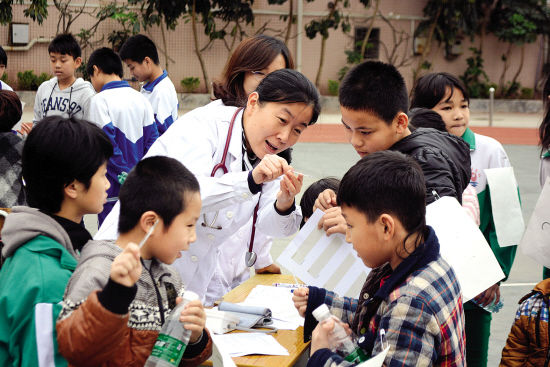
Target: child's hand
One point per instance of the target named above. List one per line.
(270, 167)
(320, 338)
(194, 318)
(290, 187)
(325, 200)
(26, 128)
(270, 269)
(492, 293)
(300, 296)
(333, 221)
(126, 267)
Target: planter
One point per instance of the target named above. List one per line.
(508, 106)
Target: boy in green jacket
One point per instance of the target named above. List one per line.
(64, 166)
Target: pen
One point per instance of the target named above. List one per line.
(288, 285)
(142, 242)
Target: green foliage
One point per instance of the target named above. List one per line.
(520, 21)
(37, 10)
(28, 80)
(129, 20)
(333, 86)
(334, 19)
(526, 93)
(190, 84)
(475, 78)
(82, 71)
(5, 79)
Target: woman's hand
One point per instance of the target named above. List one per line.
(290, 186)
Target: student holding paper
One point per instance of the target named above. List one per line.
(446, 95)
(412, 292)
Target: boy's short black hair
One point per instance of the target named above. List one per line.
(65, 44)
(424, 117)
(3, 57)
(375, 87)
(10, 110)
(58, 151)
(137, 47)
(156, 183)
(386, 182)
(312, 192)
(431, 88)
(106, 60)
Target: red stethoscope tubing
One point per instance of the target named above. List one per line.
(223, 167)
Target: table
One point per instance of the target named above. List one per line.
(292, 340)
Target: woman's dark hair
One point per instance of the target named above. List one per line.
(431, 88)
(289, 86)
(544, 128)
(58, 151)
(252, 54)
(10, 110)
(424, 117)
(158, 183)
(312, 192)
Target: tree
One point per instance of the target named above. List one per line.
(334, 19)
(37, 10)
(517, 22)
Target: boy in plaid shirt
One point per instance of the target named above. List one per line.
(411, 293)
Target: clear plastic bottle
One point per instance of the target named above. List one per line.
(343, 343)
(491, 307)
(173, 338)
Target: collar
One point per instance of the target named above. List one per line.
(236, 144)
(115, 84)
(546, 155)
(77, 233)
(470, 138)
(151, 85)
(421, 256)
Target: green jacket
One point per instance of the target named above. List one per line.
(32, 283)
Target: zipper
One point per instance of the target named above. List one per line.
(159, 298)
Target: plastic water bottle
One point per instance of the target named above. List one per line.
(344, 344)
(173, 338)
(491, 307)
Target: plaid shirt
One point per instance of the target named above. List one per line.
(421, 313)
(11, 184)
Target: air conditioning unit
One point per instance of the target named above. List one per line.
(19, 34)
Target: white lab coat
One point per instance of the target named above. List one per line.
(231, 269)
(197, 140)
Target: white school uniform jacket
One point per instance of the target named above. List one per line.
(161, 93)
(127, 118)
(72, 101)
(197, 139)
(4, 86)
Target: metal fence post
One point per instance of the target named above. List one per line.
(491, 105)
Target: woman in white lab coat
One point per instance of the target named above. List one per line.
(284, 104)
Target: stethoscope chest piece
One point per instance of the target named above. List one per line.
(250, 258)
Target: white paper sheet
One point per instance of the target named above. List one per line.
(505, 205)
(241, 344)
(324, 261)
(536, 240)
(220, 357)
(463, 247)
(279, 301)
(377, 360)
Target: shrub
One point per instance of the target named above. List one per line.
(333, 86)
(28, 80)
(190, 84)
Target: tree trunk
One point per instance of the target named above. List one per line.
(321, 61)
(164, 44)
(290, 18)
(197, 49)
(501, 88)
(428, 47)
(520, 64)
(369, 31)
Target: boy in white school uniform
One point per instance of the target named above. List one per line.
(141, 56)
(124, 114)
(3, 66)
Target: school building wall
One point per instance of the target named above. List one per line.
(404, 16)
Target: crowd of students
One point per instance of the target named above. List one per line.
(214, 186)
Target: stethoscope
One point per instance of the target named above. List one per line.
(250, 257)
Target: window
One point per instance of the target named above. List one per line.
(373, 50)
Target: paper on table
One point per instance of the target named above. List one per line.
(241, 344)
(324, 261)
(279, 301)
(463, 246)
(506, 208)
(377, 360)
(220, 357)
(536, 240)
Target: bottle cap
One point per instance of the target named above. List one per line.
(189, 296)
(321, 313)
